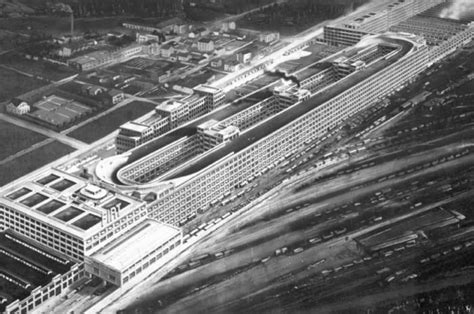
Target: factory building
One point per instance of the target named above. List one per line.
(137, 250)
(349, 32)
(167, 116)
(279, 125)
(66, 213)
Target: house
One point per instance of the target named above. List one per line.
(183, 56)
(180, 28)
(143, 38)
(152, 48)
(202, 31)
(219, 51)
(92, 90)
(244, 56)
(116, 96)
(216, 63)
(167, 50)
(205, 45)
(226, 26)
(232, 66)
(18, 107)
(269, 37)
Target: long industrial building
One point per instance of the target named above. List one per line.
(194, 166)
(146, 192)
(350, 31)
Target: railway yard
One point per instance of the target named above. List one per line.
(377, 214)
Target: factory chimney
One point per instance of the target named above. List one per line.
(72, 24)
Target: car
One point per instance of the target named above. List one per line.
(298, 250)
(315, 240)
(266, 259)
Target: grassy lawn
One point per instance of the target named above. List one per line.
(15, 139)
(25, 164)
(105, 125)
(56, 25)
(14, 84)
(48, 70)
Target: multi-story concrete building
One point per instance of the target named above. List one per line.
(138, 249)
(167, 116)
(434, 30)
(100, 225)
(211, 134)
(350, 31)
(205, 45)
(66, 213)
(215, 97)
(191, 168)
(85, 222)
(215, 173)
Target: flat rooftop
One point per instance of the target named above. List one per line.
(314, 69)
(191, 128)
(134, 126)
(66, 202)
(135, 244)
(253, 135)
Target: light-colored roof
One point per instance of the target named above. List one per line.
(135, 244)
(169, 105)
(133, 126)
(206, 89)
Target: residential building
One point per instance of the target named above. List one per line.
(18, 107)
(269, 37)
(232, 66)
(205, 45)
(116, 96)
(244, 56)
(167, 50)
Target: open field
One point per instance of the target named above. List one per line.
(14, 84)
(15, 139)
(58, 25)
(44, 69)
(35, 159)
(101, 127)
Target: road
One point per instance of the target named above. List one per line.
(46, 132)
(279, 56)
(128, 100)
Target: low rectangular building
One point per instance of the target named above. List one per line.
(134, 252)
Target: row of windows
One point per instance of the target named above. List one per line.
(147, 263)
(119, 226)
(42, 233)
(163, 158)
(320, 119)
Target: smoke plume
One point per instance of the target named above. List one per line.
(459, 9)
(62, 8)
(285, 76)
